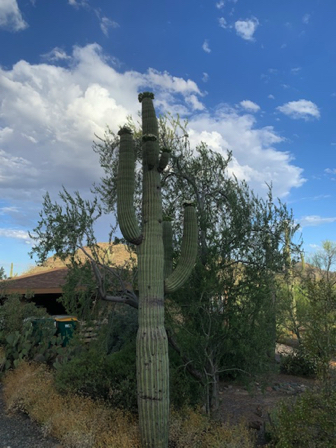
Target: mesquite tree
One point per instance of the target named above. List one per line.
(153, 241)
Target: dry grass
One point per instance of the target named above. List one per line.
(2, 358)
(81, 422)
(193, 429)
(75, 421)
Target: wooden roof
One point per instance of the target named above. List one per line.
(45, 282)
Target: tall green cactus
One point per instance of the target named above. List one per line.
(155, 274)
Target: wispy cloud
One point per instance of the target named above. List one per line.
(306, 19)
(315, 220)
(271, 97)
(56, 54)
(78, 3)
(301, 109)
(205, 77)
(246, 28)
(295, 70)
(249, 105)
(220, 4)
(106, 24)
(330, 170)
(11, 17)
(15, 233)
(206, 47)
(222, 22)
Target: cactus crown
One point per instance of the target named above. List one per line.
(149, 138)
(189, 204)
(143, 95)
(165, 149)
(125, 130)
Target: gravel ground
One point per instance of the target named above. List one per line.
(18, 431)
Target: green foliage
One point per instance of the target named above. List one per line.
(184, 389)
(299, 363)
(306, 421)
(308, 309)
(32, 344)
(99, 376)
(13, 313)
(121, 328)
(63, 228)
(2, 273)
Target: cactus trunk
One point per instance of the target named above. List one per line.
(152, 343)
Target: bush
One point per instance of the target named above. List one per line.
(307, 421)
(299, 363)
(93, 374)
(79, 422)
(13, 313)
(184, 389)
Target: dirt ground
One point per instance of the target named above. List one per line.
(254, 404)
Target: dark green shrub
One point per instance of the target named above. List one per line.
(99, 376)
(184, 389)
(306, 421)
(298, 363)
(13, 313)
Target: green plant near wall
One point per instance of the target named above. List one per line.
(29, 344)
(155, 275)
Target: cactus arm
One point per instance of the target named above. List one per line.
(188, 251)
(149, 120)
(164, 159)
(125, 189)
(167, 235)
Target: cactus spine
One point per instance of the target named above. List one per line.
(155, 275)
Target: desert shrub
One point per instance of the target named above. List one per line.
(13, 313)
(99, 376)
(306, 421)
(299, 362)
(29, 343)
(184, 389)
(2, 358)
(190, 428)
(121, 328)
(78, 422)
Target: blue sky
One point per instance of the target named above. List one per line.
(257, 78)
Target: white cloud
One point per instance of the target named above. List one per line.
(249, 105)
(11, 17)
(246, 28)
(220, 4)
(16, 234)
(222, 22)
(56, 54)
(271, 97)
(315, 220)
(255, 157)
(52, 146)
(301, 109)
(78, 3)
(306, 19)
(295, 70)
(206, 47)
(330, 170)
(205, 77)
(106, 24)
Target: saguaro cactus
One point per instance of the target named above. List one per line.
(155, 275)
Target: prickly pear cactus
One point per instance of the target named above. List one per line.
(155, 275)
